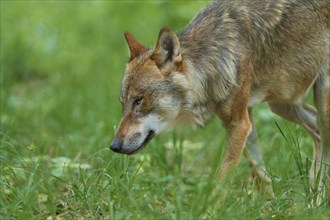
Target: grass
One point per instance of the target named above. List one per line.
(61, 67)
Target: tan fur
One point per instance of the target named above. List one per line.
(234, 54)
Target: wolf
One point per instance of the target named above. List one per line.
(232, 56)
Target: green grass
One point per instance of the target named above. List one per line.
(61, 68)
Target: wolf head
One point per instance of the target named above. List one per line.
(150, 96)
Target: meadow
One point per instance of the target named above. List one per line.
(61, 68)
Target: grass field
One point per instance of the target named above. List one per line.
(61, 67)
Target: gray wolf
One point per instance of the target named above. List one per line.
(232, 56)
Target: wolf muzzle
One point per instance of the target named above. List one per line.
(116, 145)
(131, 145)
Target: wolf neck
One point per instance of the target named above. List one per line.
(210, 46)
(208, 77)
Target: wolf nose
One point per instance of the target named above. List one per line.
(116, 145)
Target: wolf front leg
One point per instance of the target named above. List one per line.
(238, 128)
(253, 153)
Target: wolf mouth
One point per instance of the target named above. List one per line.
(150, 135)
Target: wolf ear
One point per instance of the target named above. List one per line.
(135, 47)
(167, 49)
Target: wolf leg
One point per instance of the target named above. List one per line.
(254, 155)
(322, 167)
(238, 130)
(306, 116)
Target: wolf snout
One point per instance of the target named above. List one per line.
(116, 145)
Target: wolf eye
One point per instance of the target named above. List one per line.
(137, 102)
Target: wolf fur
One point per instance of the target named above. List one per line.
(233, 55)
